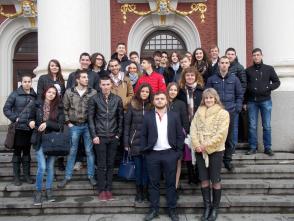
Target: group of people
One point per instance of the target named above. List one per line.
(162, 109)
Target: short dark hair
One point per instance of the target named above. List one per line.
(256, 50)
(223, 57)
(26, 75)
(164, 52)
(157, 53)
(79, 72)
(120, 43)
(104, 78)
(85, 54)
(231, 49)
(112, 60)
(158, 93)
(133, 53)
(149, 60)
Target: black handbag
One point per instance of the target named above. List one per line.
(55, 144)
(127, 167)
(9, 140)
(10, 136)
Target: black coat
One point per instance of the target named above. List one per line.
(16, 103)
(238, 69)
(93, 80)
(51, 124)
(197, 98)
(133, 125)
(105, 119)
(124, 62)
(229, 90)
(261, 80)
(45, 81)
(150, 134)
(179, 107)
(172, 76)
(102, 73)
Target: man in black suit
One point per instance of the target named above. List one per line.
(162, 139)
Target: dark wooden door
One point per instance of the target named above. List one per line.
(25, 57)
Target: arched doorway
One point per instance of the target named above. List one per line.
(25, 58)
(162, 40)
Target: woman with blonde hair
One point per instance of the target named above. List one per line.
(191, 88)
(209, 130)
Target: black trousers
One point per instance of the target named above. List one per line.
(162, 161)
(230, 146)
(105, 156)
(22, 143)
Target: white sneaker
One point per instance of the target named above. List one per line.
(78, 166)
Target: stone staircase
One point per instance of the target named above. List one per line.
(259, 184)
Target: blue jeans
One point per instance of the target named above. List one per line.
(75, 133)
(141, 170)
(44, 162)
(265, 108)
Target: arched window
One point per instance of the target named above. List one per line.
(25, 57)
(163, 40)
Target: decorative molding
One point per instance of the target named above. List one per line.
(146, 1)
(144, 26)
(11, 31)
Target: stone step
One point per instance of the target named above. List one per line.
(125, 204)
(238, 159)
(278, 171)
(163, 217)
(230, 186)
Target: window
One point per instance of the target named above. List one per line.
(163, 41)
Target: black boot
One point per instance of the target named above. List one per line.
(216, 195)
(139, 194)
(26, 166)
(145, 193)
(206, 202)
(16, 160)
(191, 173)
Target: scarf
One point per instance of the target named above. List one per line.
(201, 66)
(117, 81)
(190, 100)
(133, 78)
(46, 110)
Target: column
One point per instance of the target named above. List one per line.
(273, 24)
(63, 33)
(101, 28)
(231, 27)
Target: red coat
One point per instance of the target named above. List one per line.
(155, 80)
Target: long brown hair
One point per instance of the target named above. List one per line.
(198, 77)
(205, 57)
(53, 104)
(59, 76)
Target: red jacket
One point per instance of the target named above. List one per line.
(155, 80)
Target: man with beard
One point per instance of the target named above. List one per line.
(161, 141)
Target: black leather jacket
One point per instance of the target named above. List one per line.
(105, 118)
